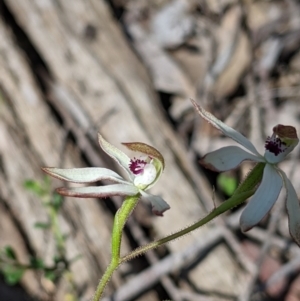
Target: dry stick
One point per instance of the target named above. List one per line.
(255, 112)
(185, 295)
(286, 270)
(139, 236)
(236, 248)
(219, 65)
(260, 235)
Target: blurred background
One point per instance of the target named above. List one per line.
(127, 68)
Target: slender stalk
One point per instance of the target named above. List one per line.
(242, 193)
(119, 222)
(105, 279)
(219, 210)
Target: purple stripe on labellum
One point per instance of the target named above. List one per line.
(137, 166)
(275, 145)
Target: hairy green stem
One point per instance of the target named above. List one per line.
(242, 193)
(119, 222)
(228, 204)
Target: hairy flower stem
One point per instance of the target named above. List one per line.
(119, 222)
(243, 192)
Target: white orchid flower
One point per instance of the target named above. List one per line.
(277, 147)
(143, 172)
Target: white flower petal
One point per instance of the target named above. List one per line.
(122, 159)
(274, 159)
(227, 158)
(147, 176)
(293, 208)
(99, 191)
(225, 129)
(263, 199)
(159, 206)
(84, 175)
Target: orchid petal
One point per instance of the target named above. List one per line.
(227, 158)
(147, 150)
(263, 199)
(122, 159)
(225, 129)
(159, 206)
(147, 177)
(293, 209)
(99, 191)
(84, 175)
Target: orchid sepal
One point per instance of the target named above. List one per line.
(225, 129)
(268, 191)
(84, 175)
(159, 205)
(293, 208)
(121, 158)
(99, 191)
(227, 158)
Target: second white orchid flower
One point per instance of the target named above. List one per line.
(283, 140)
(143, 173)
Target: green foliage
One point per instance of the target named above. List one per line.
(57, 201)
(12, 274)
(10, 253)
(13, 270)
(51, 275)
(227, 183)
(39, 188)
(41, 225)
(37, 263)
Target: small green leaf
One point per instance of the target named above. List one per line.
(51, 275)
(10, 252)
(122, 159)
(41, 225)
(37, 263)
(35, 187)
(227, 184)
(57, 201)
(57, 259)
(13, 275)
